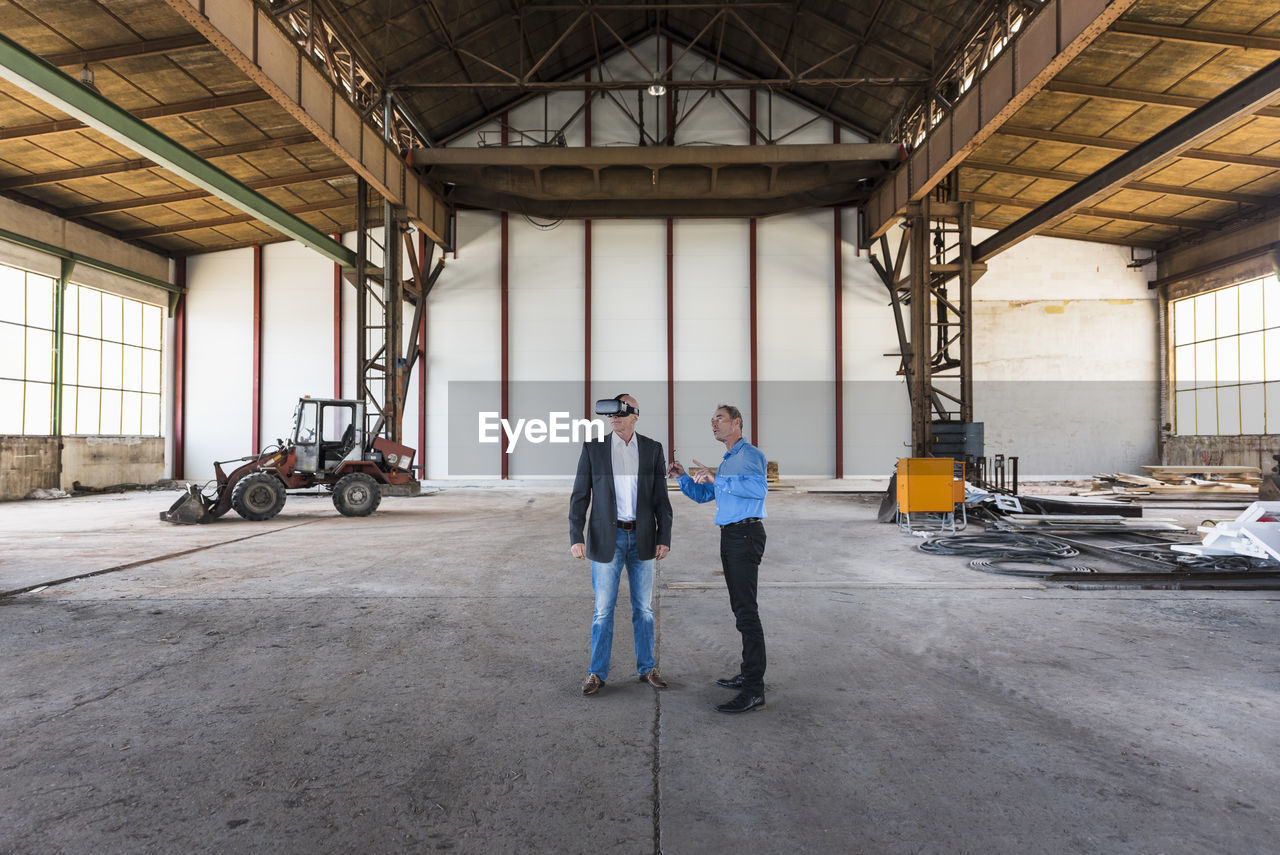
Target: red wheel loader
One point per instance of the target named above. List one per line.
(328, 447)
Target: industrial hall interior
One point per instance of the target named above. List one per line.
(917, 360)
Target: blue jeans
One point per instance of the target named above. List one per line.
(604, 580)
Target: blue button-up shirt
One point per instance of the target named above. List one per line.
(739, 488)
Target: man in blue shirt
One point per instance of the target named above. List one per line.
(738, 487)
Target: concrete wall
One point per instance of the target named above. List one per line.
(31, 462)
(1254, 450)
(105, 461)
(27, 463)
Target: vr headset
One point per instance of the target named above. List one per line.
(615, 407)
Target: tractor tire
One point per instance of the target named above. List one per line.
(258, 497)
(356, 495)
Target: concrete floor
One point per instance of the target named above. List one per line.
(410, 682)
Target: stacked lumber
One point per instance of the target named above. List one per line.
(1180, 483)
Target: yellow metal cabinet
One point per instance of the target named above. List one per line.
(929, 487)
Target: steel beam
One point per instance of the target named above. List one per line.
(1138, 96)
(88, 261)
(119, 166)
(159, 111)
(1110, 144)
(147, 47)
(1055, 36)
(1255, 91)
(1144, 186)
(1216, 38)
(656, 157)
(187, 195)
(32, 74)
(143, 234)
(252, 39)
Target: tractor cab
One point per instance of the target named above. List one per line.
(327, 432)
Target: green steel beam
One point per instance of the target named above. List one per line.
(86, 260)
(59, 336)
(32, 74)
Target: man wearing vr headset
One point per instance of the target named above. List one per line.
(738, 487)
(623, 480)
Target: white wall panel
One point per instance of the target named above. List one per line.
(297, 332)
(219, 371)
(712, 328)
(796, 341)
(463, 331)
(546, 339)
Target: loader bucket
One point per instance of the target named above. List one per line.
(191, 508)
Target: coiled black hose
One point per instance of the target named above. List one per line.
(1000, 545)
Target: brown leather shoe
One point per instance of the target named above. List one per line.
(591, 685)
(653, 678)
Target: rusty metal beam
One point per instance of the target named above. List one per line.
(187, 195)
(1217, 38)
(255, 43)
(160, 111)
(147, 47)
(1129, 145)
(232, 219)
(532, 157)
(1056, 35)
(1138, 96)
(1101, 213)
(1258, 89)
(669, 83)
(1144, 186)
(119, 166)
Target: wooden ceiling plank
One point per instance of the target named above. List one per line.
(147, 47)
(160, 111)
(1223, 111)
(1138, 96)
(135, 164)
(1146, 186)
(1169, 32)
(164, 199)
(142, 234)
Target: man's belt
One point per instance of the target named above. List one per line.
(746, 521)
(626, 525)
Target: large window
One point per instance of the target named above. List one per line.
(1226, 360)
(26, 352)
(111, 365)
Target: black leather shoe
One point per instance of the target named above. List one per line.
(734, 682)
(744, 702)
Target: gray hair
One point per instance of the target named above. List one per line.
(734, 412)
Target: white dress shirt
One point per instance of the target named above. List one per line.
(626, 475)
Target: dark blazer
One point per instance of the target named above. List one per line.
(594, 486)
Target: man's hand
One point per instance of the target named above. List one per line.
(675, 470)
(578, 550)
(662, 551)
(702, 474)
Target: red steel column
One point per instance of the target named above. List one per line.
(671, 339)
(337, 326)
(257, 349)
(180, 372)
(424, 266)
(838, 287)
(754, 294)
(503, 290)
(586, 272)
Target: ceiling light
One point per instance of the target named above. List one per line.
(656, 89)
(86, 77)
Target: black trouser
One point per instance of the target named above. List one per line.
(741, 548)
